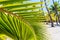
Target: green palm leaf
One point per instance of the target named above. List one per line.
(21, 25)
(18, 29)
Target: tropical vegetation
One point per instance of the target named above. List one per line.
(21, 20)
(25, 20)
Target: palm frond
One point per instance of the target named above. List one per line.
(17, 29)
(21, 25)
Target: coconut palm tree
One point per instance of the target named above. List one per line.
(56, 11)
(52, 25)
(42, 6)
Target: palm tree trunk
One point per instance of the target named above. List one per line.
(59, 12)
(42, 6)
(52, 25)
(57, 17)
